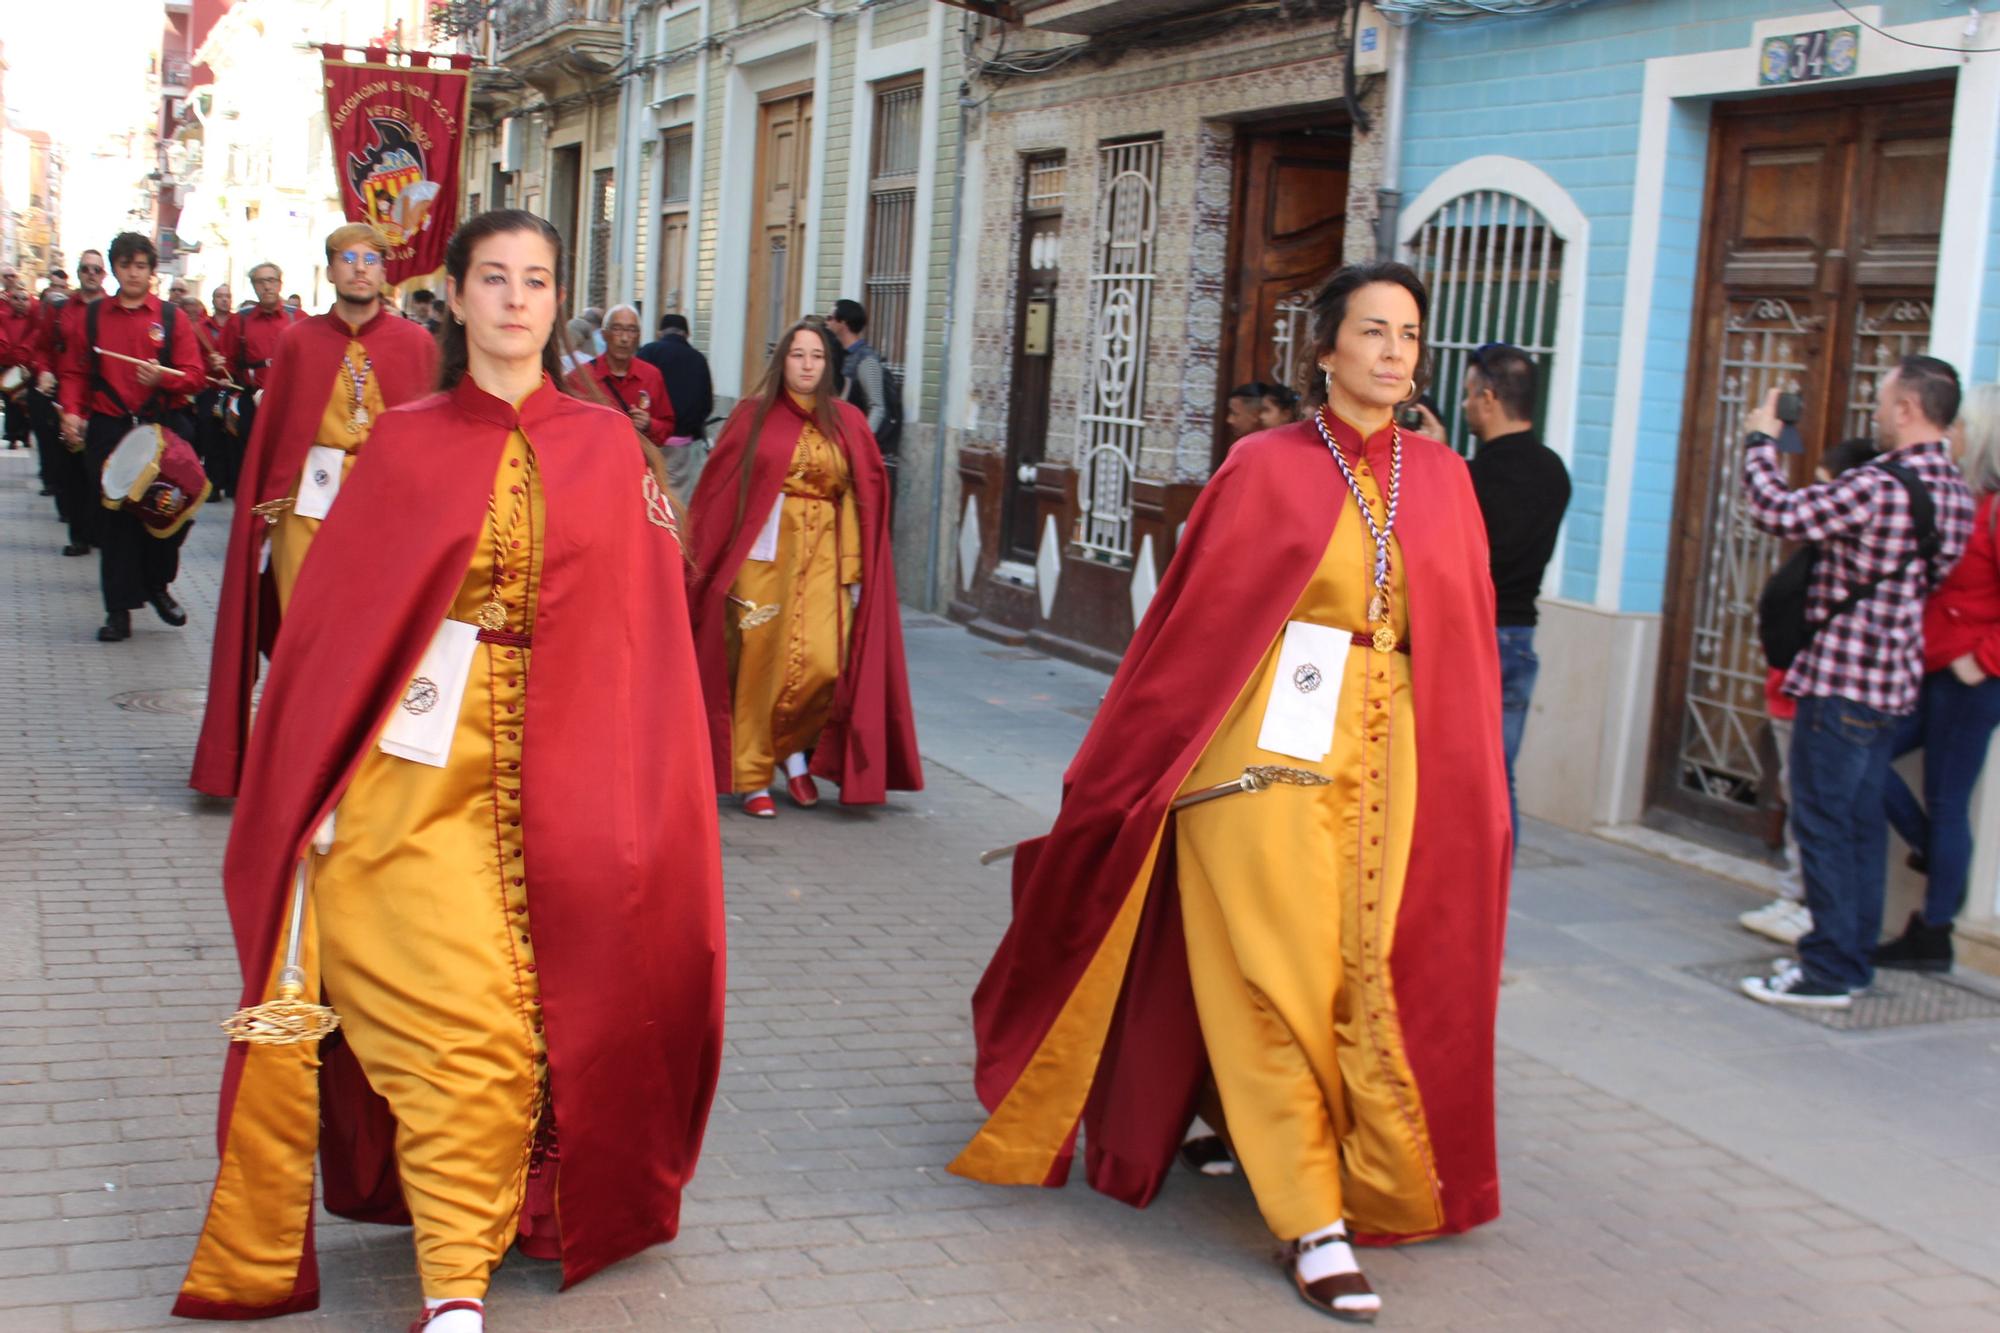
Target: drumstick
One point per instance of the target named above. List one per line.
(147, 361)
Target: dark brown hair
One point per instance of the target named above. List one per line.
(1329, 309)
(821, 410)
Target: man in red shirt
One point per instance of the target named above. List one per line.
(17, 323)
(632, 385)
(75, 493)
(249, 345)
(103, 397)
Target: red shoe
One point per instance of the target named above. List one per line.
(804, 791)
(428, 1315)
(760, 806)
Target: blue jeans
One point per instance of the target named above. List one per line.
(1518, 668)
(1840, 768)
(1953, 723)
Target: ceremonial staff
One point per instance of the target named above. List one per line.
(290, 1018)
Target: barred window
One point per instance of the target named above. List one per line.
(892, 213)
(1493, 265)
(1121, 318)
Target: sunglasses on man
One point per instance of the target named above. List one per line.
(365, 258)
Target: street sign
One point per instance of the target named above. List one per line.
(1806, 57)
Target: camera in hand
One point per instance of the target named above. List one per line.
(1411, 418)
(1791, 407)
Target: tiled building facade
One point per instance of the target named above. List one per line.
(1109, 198)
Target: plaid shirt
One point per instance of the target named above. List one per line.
(1873, 655)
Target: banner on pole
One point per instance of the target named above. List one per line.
(398, 125)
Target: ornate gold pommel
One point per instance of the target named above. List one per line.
(285, 1021)
(271, 509)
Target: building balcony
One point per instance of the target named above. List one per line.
(587, 34)
(1088, 18)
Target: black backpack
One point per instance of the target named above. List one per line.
(1784, 628)
(890, 437)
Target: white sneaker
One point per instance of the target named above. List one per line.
(1781, 919)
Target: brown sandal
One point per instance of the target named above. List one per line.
(1327, 1294)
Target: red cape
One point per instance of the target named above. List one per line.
(403, 358)
(616, 798)
(1254, 538)
(869, 746)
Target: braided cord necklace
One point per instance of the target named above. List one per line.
(1384, 638)
(358, 379)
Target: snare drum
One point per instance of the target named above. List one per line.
(13, 380)
(155, 474)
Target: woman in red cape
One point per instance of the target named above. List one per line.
(793, 592)
(1324, 941)
(480, 749)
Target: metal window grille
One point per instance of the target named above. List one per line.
(1885, 331)
(1765, 344)
(678, 162)
(1493, 265)
(1045, 181)
(1112, 423)
(892, 213)
(603, 207)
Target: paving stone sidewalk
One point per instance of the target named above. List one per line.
(822, 1201)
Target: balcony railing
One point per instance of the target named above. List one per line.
(516, 23)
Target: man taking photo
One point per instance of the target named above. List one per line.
(1887, 532)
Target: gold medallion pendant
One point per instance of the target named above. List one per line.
(1385, 639)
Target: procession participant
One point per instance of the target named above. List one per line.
(249, 345)
(634, 387)
(1326, 940)
(794, 597)
(152, 369)
(487, 671)
(333, 377)
(76, 492)
(18, 310)
(35, 354)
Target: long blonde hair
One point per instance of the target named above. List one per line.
(1979, 419)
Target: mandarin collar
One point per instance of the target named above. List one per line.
(381, 313)
(1348, 436)
(151, 305)
(476, 402)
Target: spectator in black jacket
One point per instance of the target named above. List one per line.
(1523, 489)
(693, 395)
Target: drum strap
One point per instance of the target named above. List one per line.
(152, 408)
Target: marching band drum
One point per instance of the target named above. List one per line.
(155, 473)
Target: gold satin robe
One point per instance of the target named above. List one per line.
(785, 669)
(422, 911)
(292, 535)
(1289, 900)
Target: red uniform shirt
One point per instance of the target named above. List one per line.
(640, 385)
(48, 316)
(250, 342)
(136, 332)
(18, 339)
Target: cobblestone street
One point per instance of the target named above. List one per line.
(1673, 1156)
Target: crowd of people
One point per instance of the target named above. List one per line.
(522, 636)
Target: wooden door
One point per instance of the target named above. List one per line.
(1291, 222)
(1819, 262)
(1034, 350)
(778, 229)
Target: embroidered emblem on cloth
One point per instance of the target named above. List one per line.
(156, 334)
(321, 476)
(658, 512)
(421, 697)
(1306, 679)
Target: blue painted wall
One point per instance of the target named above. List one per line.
(1562, 90)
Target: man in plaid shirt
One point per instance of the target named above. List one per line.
(1862, 671)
